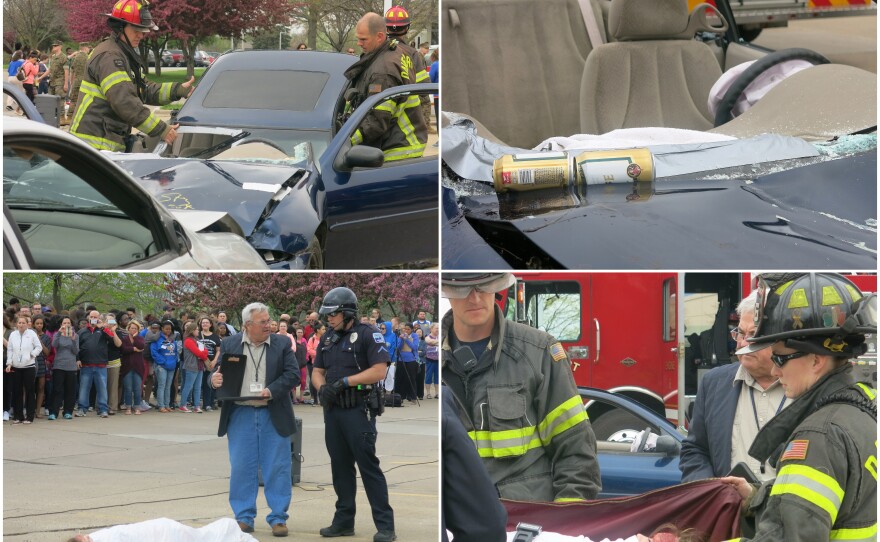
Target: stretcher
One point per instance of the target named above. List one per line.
(708, 506)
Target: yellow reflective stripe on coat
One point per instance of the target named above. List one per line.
(422, 75)
(402, 153)
(510, 443)
(357, 138)
(388, 105)
(568, 499)
(165, 93)
(99, 142)
(871, 393)
(561, 418)
(855, 535)
(810, 485)
(113, 79)
(149, 123)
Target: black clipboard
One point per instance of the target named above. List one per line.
(232, 367)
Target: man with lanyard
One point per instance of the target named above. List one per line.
(114, 91)
(733, 403)
(396, 125)
(349, 362)
(94, 340)
(516, 396)
(259, 425)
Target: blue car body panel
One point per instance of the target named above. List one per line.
(630, 473)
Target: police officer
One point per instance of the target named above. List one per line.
(349, 362)
(113, 90)
(59, 73)
(397, 26)
(516, 396)
(396, 126)
(824, 446)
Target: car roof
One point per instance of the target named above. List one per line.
(320, 118)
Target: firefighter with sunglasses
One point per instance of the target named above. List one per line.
(824, 445)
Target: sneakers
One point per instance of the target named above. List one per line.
(103, 415)
(279, 529)
(145, 406)
(5, 416)
(68, 417)
(385, 536)
(51, 417)
(208, 409)
(80, 414)
(184, 409)
(198, 410)
(245, 528)
(335, 530)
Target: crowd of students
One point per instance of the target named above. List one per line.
(70, 363)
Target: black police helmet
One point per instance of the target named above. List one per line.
(339, 299)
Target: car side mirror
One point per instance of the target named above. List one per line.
(667, 446)
(364, 156)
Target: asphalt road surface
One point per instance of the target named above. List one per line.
(66, 477)
(844, 40)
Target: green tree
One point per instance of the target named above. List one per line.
(63, 291)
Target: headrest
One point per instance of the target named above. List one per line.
(632, 20)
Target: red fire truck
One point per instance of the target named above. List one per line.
(649, 336)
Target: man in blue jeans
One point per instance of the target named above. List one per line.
(258, 427)
(93, 345)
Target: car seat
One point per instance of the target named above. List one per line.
(516, 65)
(653, 73)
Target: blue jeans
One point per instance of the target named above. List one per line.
(207, 391)
(431, 372)
(192, 383)
(88, 376)
(254, 443)
(165, 378)
(131, 389)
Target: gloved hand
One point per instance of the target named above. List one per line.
(328, 396)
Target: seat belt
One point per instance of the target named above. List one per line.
(593, 32)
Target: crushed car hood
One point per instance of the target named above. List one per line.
(820, 216)
(249, 192)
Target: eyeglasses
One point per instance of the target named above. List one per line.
(782, 359)
(738, 335)
(334, 313)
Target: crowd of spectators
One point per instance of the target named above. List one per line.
(70, 363)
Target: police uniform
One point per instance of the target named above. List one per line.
(397, 125)
(110, 103)
(57, 69)
(77, 71)
(824, 447)
(349, 433)
(524, 414)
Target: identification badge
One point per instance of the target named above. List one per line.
(353, 338)
(256, 387)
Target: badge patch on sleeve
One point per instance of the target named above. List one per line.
(556, 352)
(379, 338)
(119, 63)
(796, 449)
(375, 89)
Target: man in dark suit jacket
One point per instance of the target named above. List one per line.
(258, 429)
(715, 434)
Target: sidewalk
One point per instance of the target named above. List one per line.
(64, 477)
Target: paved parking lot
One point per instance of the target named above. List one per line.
(69, 476)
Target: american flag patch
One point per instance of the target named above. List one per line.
(556, 352)
(796, 449)
(375, 89)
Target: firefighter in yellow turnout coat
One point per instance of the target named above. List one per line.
(516, 396)
(396, 125)
(824, 446)
(113, 90)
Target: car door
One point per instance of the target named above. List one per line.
(379, 214)
(70, 208)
